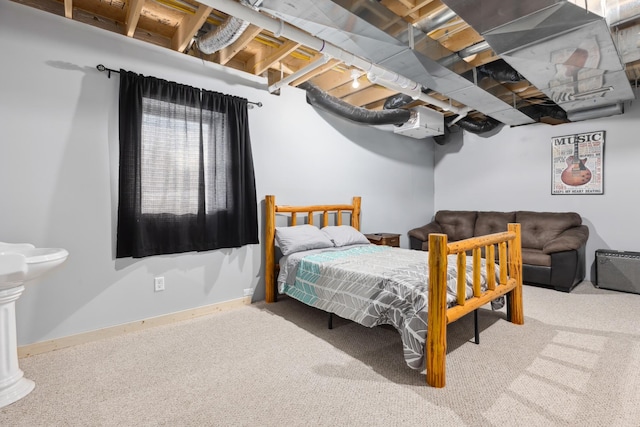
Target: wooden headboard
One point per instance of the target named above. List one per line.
(270, 230)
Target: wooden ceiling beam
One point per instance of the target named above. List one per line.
(68, 9)
(412, 11)
(332, 79)
(481, 58)
(461, 39)
(259, 65)
(426, 9)
(347, 89)
(371, 94)
(225, 54)
(185, 31)
(133, 15)
(320, 70)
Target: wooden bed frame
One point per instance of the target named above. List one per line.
(508, 244)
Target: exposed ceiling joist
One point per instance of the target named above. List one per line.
(175, 23)
(133, 15)
(185, 32)
(224, 55)
(68, 9)
(258, 66)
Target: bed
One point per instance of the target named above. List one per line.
(417, 293)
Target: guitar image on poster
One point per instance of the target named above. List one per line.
(576, 172)
(577, 163)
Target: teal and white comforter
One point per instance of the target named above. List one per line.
(372, 285)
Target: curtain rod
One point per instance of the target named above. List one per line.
(102, 68)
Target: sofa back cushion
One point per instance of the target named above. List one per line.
(540, 227)
(493, 222)
(457, 225)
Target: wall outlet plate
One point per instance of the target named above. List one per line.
(248, 292)
(158, 284)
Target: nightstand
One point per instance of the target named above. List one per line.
(387, 239)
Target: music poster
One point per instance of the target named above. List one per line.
(577, 163)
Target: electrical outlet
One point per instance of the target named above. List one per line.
(158, 284)
(248, 292)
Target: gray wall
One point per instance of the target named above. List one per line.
(59, 165)
(511, 170)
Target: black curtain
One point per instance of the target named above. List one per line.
(186, 180)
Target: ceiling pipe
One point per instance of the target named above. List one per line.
(435, 20)
(454, 58)
(283, 29)
(301, 72)
(413, 89)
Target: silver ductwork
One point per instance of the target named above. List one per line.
(615, 12)
(567, 52)
(225, 34)
(337, 23)
(435, 20)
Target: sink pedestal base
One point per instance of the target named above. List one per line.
(13, 385)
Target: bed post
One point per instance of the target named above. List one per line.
(355, 214)
(515, 271)
(436, 344)
(269, 250)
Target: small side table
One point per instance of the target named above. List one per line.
(387, 239)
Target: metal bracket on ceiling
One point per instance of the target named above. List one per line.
(412, 42)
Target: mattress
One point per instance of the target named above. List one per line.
(372, 285)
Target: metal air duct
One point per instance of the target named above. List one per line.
(336, 23)
(222, 36)
(226, 33)
(434, 21)
(564, 50)
(594, 113)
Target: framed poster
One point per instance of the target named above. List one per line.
(577, 163)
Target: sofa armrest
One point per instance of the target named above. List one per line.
(422, 233)
(570, 239)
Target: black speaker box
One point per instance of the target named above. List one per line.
(618, 270)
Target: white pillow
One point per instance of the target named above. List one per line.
(344, 235)
(301, 238)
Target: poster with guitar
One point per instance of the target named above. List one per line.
(577, 163)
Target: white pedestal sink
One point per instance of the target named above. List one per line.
(19, 263)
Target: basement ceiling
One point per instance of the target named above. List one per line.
(474, 64)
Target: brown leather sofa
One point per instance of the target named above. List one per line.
(553, 243)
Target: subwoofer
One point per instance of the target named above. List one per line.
(618, 270)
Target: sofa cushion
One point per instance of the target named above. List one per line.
(457, 225)
(493, 222)
(540, 227)
(535, 257)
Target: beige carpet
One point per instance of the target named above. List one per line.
(575, 362)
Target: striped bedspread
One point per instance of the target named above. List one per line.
(372, 285)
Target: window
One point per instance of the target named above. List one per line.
(186, 170)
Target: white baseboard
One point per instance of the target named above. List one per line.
(85, 337)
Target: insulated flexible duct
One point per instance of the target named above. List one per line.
(317, 97)
(399, 100)
(477, 126)
(501, 71)
(536, 112)
(223, 36)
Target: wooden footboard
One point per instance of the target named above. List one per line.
(509, 282)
